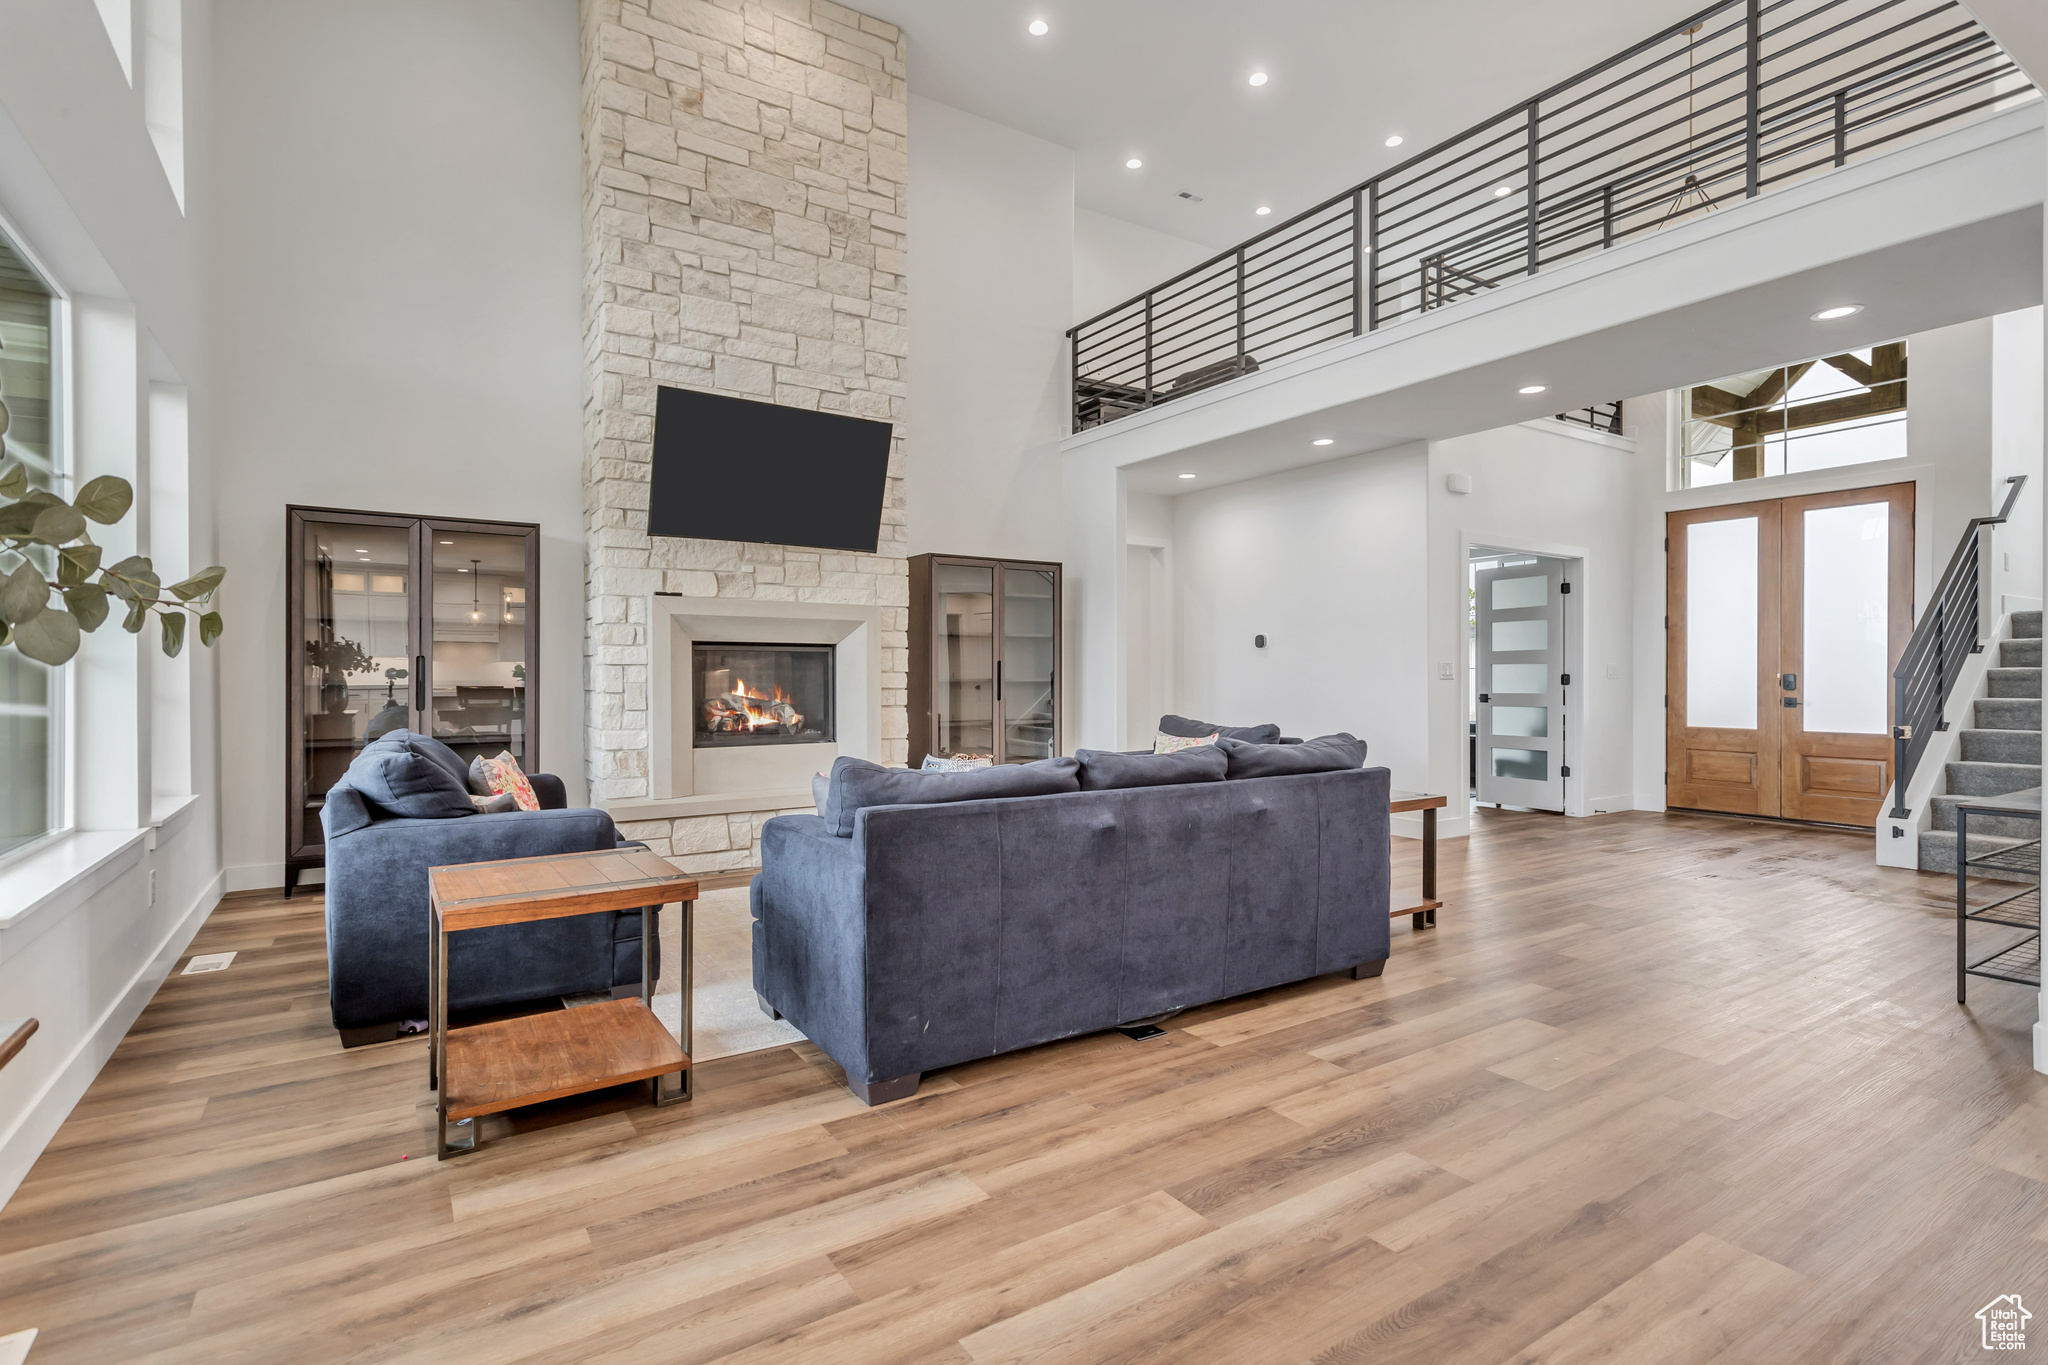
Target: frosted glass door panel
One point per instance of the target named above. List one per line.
(1510, 594)
(1844, 619)
(1510, 637)
(1524, 722)
(1531, 765)
(1521, 679)
(1721, 624)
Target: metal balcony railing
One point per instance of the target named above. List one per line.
(1742, 97)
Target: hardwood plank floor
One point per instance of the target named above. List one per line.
(1658, 1088)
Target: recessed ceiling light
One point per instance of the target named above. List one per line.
(1394, 141)
(447, 542)
(1263, 209)
(1844, 310)
(1503, 190)
(462, 571)
(1187, 476)
(1038, 29)
(1258, 78)
(1532, 388)
(1324, 441)
(1133, 164)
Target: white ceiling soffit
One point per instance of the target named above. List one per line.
(1935, 233)
(1167, 82)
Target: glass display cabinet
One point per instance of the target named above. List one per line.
(398, 622)
(984, 658)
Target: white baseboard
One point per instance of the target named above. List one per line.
(1611, 805)
(31, 1132)
(269, 877)
(2041, 1046)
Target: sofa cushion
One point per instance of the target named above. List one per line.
(1248, 734)
(1104, 770)
(400, 775)
(1324, 754)
(857, 783)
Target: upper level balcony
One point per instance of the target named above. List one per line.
(1746, 97)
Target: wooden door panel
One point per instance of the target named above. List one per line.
(1711, 767)
(1839, 778)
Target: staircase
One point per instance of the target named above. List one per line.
(2001, 752)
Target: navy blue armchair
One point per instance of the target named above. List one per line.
(377, 911)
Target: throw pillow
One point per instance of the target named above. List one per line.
(858, 784)
(1173, 744)
(495, 805)
(1249, 734)
(1325, 754)
(821, 793)
(958, 763)
(506, 776)
(396, 777)
(1105, 770)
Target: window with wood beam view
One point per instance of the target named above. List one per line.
(1835, 410)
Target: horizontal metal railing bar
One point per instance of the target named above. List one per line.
(1340, 234)
(1285, 297)
(1689, 95)
(1781, 52)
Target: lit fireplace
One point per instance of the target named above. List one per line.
(763, 694)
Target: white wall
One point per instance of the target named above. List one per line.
(1115, 259)
(2016, 437)
(1541, 487)
(90, 926)
(398, 322)
(1328, 563)
(991, 261)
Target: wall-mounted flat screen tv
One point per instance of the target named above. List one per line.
(732, 469)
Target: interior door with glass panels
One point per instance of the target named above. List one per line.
(1519, 615)
(1721, 644)
(475, 682)
(1845, 615)
(1024, 669)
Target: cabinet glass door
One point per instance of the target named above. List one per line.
(479, 642)
(355, 650)
(965, 681)
(1026, 678)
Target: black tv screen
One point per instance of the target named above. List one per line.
(732, 469)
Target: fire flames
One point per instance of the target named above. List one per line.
(745, 710)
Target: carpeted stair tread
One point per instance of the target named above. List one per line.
(2002, 826)
(2013, 682)
(1991, 779)
(2002, 746)
(2026, 625)
(1938, 853)
(2007, 713)
(2020, 654)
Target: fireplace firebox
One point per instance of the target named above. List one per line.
(749, 694)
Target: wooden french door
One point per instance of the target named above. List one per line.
(1787, 617)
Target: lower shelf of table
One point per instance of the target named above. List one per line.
(502, 1065)
(1419, 908)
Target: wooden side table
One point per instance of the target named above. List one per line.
(1422, 916)
(492, 1067)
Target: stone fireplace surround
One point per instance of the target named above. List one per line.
(744, 164)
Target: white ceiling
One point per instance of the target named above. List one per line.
(1166, 81)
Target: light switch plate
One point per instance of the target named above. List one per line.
(1447, 672)
(1614, 670)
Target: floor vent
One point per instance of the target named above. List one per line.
(208, 962)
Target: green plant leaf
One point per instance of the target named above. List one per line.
(138, 612)
(76, 563)
(18, 519)
(24, 594)
(210, 627)
(174, 633)
(200, 584)
(134, 579)
(14, 482)
(51, 637)
(106, 499)
(43, 496)
(88, 602)
(56, 525)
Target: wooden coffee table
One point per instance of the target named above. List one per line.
(501, 1065)
(1422, 916)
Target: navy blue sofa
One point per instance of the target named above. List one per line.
(936, 934)
(377, 912)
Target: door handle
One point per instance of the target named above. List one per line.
(1485, 696)
(1791, 701)
(419, 682)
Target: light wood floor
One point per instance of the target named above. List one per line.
(1658, 1089)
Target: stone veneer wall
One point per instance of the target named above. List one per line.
(744, 168)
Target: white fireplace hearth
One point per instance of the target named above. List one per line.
(694, 793)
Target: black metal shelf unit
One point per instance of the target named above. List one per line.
(2017, 960)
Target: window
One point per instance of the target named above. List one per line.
(31, 694)
(1837, 410)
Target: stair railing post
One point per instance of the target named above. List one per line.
(1240, 310)
(1372, 256)
(1148, 350)
(1358, 262)
(1529, 194)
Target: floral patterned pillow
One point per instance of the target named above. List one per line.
(1173, 744)
(506, 775)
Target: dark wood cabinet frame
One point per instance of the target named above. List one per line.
(303, 846)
